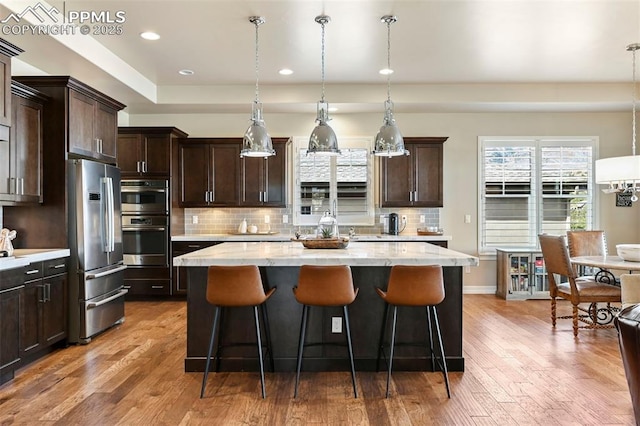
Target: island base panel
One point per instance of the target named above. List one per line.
(366, 315)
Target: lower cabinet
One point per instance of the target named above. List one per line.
(33, 313)
(143, 281)
(179, 276)
(521, 274)
(45, 306)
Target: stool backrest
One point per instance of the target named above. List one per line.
(235, 286)
(321, 285)
(411, 285)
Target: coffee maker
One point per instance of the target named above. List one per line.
(391, 224)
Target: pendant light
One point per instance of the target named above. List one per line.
(622, 174)
(389, 141)
(256, 141)
(323, 139)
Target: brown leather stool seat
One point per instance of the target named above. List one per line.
(237, 286)
(414, 286)
(324, 286)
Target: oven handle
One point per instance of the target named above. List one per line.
(108, 299)
(125, 189)
(105, 273)
(143, 228)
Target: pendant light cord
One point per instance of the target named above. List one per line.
(322, 24)
(633, 139)
(389, 60)
(257, 24)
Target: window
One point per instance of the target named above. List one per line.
(324, 181)
(530, 186)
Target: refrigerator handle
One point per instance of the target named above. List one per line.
(109, 215)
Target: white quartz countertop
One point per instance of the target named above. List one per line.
(23, 257)
(286, 237)
(358, 253)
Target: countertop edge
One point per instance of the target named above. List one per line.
(24, 257)
(283, 237)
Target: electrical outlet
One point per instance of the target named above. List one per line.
(467, 269)
(422, 219)
(267, 219)
(285, 218)
(336, 324)
(467, 218)
(404, 218)
(381, 218)
(194, 219)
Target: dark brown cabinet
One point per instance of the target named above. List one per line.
(11, 285)
(415, 180)
(22, 179)
(45, 306)
(7, 51)
(263, 179)
(209, 172)
(179, 275)
(92, 127)
(146, 151)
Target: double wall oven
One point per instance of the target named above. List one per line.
(145, 236)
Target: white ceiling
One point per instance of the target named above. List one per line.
(448, 55)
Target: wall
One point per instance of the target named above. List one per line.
(622, 225)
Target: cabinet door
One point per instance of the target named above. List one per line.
(157, 155)
(195, 167)
(130, 148)
(226, 175)
(81, 125)
(30, 336)
(5, 90)
(54, 310)
(396, 181)
(427, 175)
(276, 172)
(105, 131)
(10, 315)
(26, 133)
(253, 180)
(7, 184)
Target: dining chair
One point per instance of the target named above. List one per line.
(577, 291)
(590, 243)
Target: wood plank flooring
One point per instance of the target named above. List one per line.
(518, 371)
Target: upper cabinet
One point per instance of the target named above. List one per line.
(415, 180)
(263, 180)
(7, 51)
(146, 151)
(89, 117)
(22, 179)
(209, 172)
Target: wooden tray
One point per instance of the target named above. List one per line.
(424, 232)
(323, 243)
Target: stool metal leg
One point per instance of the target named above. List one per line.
(393, 344)
(303, 329)
(382, 330)
(267, 333)
(430, 331)
(443, 359)
(220, 330)
(257, 318)
(353, 368)
(216, 318)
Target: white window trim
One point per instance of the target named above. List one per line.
(539, 141)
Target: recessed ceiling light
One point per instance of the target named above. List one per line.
(149, 35)
(386, 71)
(186, 72)
(285, 71)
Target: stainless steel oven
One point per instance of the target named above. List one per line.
(145, 196)
(145, 240)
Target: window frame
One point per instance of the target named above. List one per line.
(537, 195)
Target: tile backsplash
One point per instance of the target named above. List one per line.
(226, 220)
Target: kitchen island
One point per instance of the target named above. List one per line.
(279, 263)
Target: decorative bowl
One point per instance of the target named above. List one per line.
(629, 252)
(324, 243)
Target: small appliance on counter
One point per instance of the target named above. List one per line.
(391, 224)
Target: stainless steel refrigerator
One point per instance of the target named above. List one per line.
(96, 279)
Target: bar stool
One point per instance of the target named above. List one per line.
(414, 286)
(324, 286)
(236, 286)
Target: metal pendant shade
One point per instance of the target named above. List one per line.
(622, 174)
(323, 139)
(256, 141)
(389, 141)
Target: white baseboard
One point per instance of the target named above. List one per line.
(477, 289)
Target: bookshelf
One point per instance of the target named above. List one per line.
(521, 274)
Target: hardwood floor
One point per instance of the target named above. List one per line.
(518, 371)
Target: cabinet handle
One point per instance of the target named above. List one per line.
(138, 166)
(265, 198)
(206, 196)
(13, 185)
(32, 271)
(157, 287)
(260, 196)
(212, 197)
(41, 292)
(410, 195)
(144, 167)
(58, 266)
(21, 186)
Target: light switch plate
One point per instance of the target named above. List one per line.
(336, 324)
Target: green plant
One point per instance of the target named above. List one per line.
(326, 233)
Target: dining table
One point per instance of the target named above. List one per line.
(607, 263)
